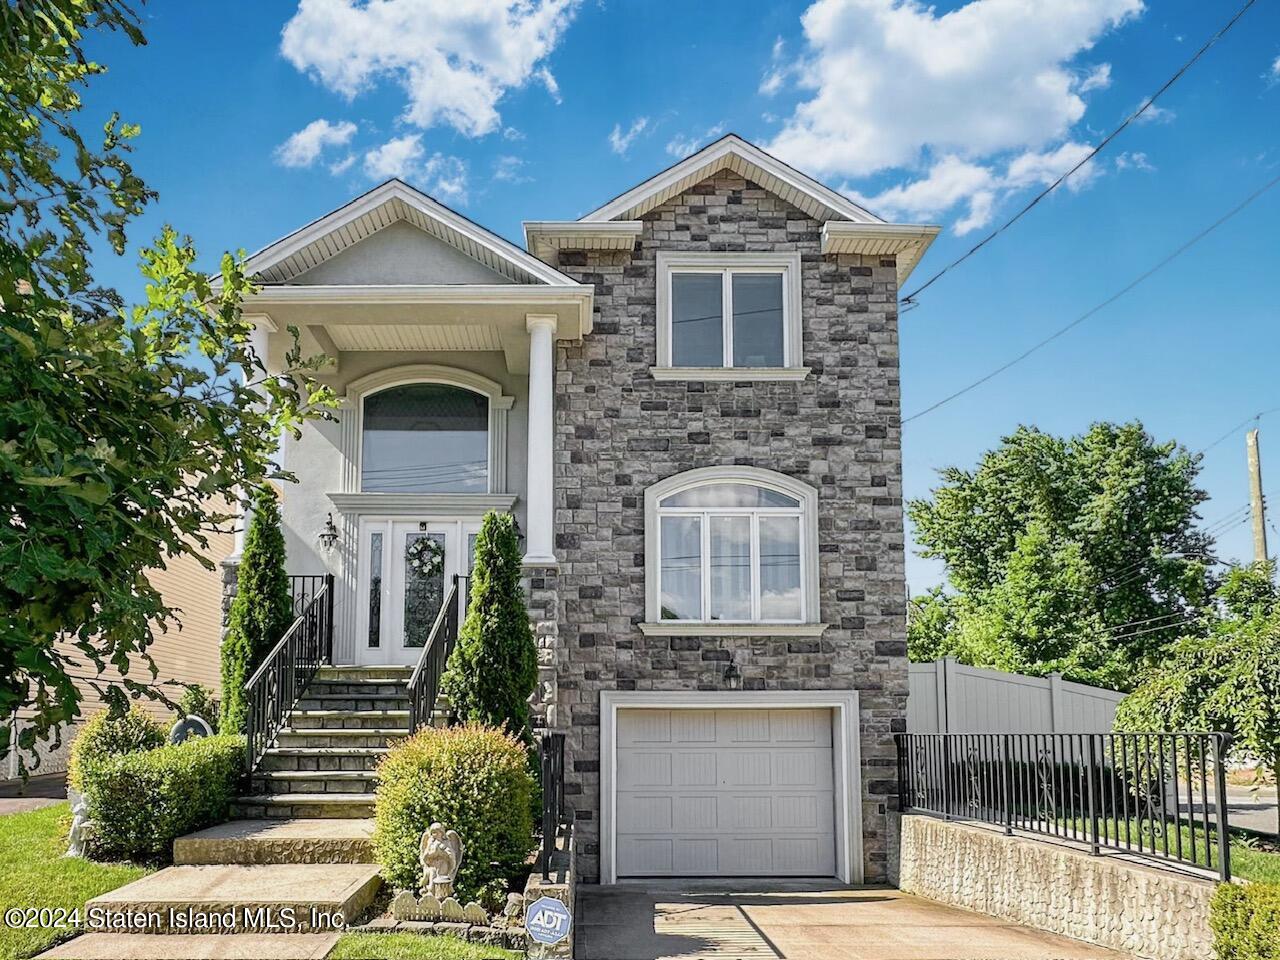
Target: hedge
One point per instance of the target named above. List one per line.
(1246, 921)
(141, 802)
(470, 778)
(102, 738)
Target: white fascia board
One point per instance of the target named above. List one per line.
(897, 239)
(578, 235)
(422, 293)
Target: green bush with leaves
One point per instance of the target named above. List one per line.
(141, 802)
(102, 738)
(494, 668)
(473, 779)
(1246, 921)
(199, 701)
(260, 613)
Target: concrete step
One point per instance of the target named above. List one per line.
(389, 687)
(180, 946)
(267, 898)
(400, 674)
(322, 758)
(357, 702)
(330, 840)
(316, 781)
(349, 720)
(304, 806)
(332, 738)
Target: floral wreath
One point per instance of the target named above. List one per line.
(425, 557)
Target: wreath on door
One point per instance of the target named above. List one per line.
(424, 557)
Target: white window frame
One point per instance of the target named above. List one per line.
(787, 264)
(807, 496)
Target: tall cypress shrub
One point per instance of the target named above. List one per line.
(260, 613)
(494, 668)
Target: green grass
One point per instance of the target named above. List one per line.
(34, 873)
(413, 946)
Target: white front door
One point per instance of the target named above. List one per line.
(398, 606)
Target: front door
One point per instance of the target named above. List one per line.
(406, 569)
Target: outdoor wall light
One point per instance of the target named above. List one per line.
(732, 676)
(329, 535)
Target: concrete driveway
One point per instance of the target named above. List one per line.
(799, 921)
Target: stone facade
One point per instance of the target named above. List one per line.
(1105, 900)
(619, 431)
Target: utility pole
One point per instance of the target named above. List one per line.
(1255, 493)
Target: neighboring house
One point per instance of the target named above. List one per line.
(690, 400)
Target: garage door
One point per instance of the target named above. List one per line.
(724, 793)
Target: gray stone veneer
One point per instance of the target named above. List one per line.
(618, 431)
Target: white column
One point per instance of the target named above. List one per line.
(258, 340)
(540, 501)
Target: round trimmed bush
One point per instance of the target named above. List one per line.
(103, 737)
(471, 778)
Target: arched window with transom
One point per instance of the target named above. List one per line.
(425, 438)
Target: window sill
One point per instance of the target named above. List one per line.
(729, 373)
(683, 628)
(423, 504)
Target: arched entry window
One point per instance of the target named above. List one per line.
(425, 438)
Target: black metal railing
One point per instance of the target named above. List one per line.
(303, 589)
(424, 682)
(1159, 796)
(551, 755)
(276, 685)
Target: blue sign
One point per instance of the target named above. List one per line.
(548, 920)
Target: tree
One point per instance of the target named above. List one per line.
(494, 668)
(1226, 680)
(1076, 554)
(120, 429)
(261, 611)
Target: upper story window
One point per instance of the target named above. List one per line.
(727, 316)
(731, 545)
(425, 438)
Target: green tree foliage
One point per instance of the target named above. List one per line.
(494, 668)
(1226, 680)
(1077, 555)
(121, 429)
(261, 611)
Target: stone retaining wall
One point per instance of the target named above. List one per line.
(1105, 900)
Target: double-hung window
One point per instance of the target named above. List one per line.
(729, 312)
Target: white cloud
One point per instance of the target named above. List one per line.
(454, 60)
(1275, 68)
(1134, 161)
(1043, 168)
(681, 145)
(395, 158)
(620, 141)
(1098, 78)
(509, 169)
(303, 148)
(779, 70)
(1155, 114)
(342, 166)
(405, 157)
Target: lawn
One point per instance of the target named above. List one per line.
(34, 873)
(1248, 861)
(413, 946)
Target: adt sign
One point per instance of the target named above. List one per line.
(548, 920)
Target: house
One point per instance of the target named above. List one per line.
(690, 400)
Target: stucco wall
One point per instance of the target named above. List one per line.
(619, 431)
(401, 253)
(1104, 900)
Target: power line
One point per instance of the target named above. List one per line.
(1243, 423)
(1104, 304)
(910, 299)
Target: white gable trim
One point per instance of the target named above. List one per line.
(395, 200)
(906, 242)
(746, 159)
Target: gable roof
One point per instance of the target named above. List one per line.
(395, 200)
(746, 159)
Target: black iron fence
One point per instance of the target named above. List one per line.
(303, 589)
(1160, 796)
(551, 755)
(424, 682)
(277, 684)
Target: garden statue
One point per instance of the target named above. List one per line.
(440, 855)
(189, 727)
(81, 825)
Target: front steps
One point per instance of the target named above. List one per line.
(249, 842)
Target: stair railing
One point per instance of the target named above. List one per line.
(424, 682)
(277, 685)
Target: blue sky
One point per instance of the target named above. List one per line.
(953, 114)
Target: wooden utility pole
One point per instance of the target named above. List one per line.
(1255, 495)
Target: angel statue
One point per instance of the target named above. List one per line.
(440, 855)
(81, 825)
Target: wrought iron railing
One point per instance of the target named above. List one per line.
(551, 755)
(424, 682)
(276, 685)
(303, 589)
(1159, 796)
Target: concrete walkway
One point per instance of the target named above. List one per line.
(799, 921)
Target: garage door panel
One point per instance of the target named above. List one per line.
(694, 768)
(644, 768)
(748, 856)
(645, 813)
(645, 727)
(693, 726)
(697, 857)
(647, 856)
(743, 768)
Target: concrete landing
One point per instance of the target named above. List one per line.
(141, 946)
(276, 898)
(278, 841)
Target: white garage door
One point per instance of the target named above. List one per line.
(724, 793)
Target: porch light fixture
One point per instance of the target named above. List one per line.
(732, 676)
(329, 535)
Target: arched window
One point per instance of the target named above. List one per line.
(425, 438)
(731, 545)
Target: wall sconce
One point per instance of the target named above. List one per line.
(732, 675)
(329, 535)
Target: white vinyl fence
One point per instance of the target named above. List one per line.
(948, 697)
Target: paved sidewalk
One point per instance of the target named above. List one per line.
(800, 921)
(17, 796)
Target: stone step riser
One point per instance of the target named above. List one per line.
(353, 810)
(353, 721)
(346, 674)
(319, 738)
(355, 705)
(287, 762)
(285, 787)
(250, 842)
(348, 689)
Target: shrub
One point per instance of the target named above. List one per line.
(473, 779)
(199, 702)
(1246, 921)
(494, 668)
(140, 802)
(260, 613)
(102, 738)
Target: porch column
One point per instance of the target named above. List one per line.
(539, 538)
(262, 327)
